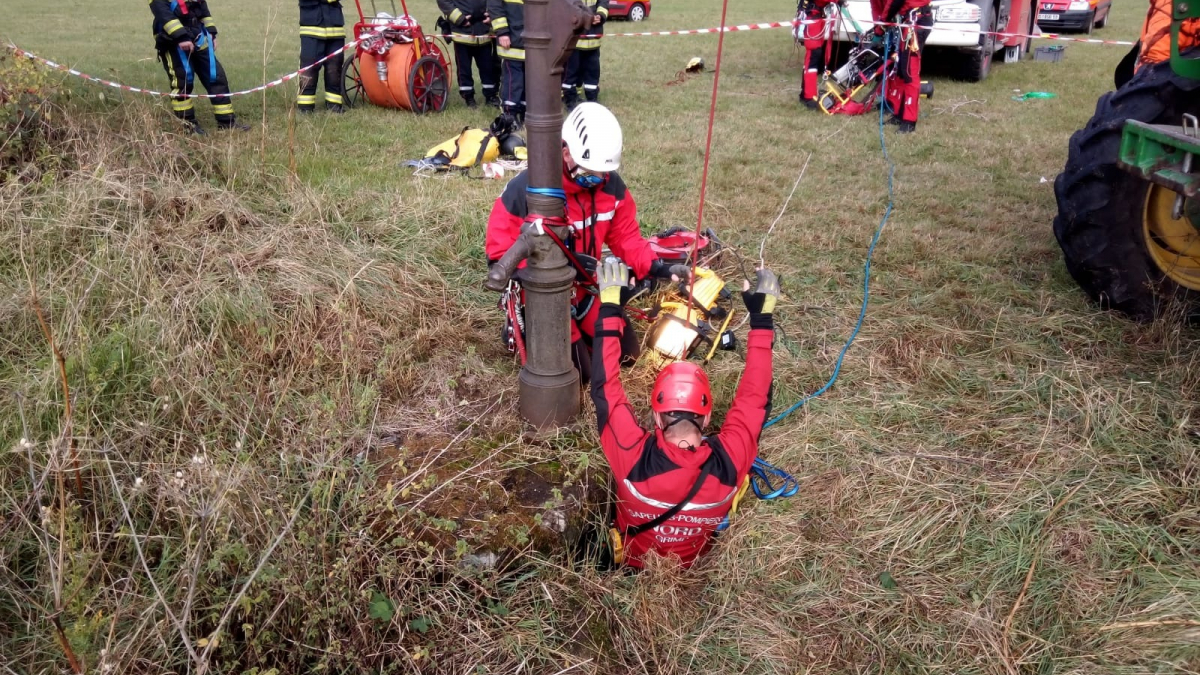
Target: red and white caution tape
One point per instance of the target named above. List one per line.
(1063, 38)
(1040, 36)
(705, 31)
(354, 44)
(138, 90)
(796, 23)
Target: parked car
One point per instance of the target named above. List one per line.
(964, 32)
(1072, 15)
(635, 10)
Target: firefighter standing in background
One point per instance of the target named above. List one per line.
(185, 36)
(904, 88)
(814, 32)
(584, 64)
(508, 23)
(322, 32)
(471, 33)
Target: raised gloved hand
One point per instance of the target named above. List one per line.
(612, 278)
(761, 303)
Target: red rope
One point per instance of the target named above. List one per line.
(712, 115)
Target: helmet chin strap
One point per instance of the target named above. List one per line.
(684, 445)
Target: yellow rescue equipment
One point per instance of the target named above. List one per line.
(470, 148)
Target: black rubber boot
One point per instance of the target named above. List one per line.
(903, 127)
(233, 126)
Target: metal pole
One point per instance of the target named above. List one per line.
(549, 383)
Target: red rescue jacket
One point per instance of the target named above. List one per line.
(888, 10)
(652, 476)
(600, 216)
(604, 215)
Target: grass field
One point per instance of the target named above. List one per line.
(296, 426)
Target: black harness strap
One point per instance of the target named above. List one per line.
(483, 146)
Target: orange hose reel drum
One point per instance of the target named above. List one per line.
(392, 92)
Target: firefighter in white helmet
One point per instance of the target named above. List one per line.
(600, 211)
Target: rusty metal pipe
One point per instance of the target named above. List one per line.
(549, 383)
(506, 267)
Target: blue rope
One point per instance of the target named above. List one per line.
(862, 313)
(763, 476)
(551, 192)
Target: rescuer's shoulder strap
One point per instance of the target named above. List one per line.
(670, 513)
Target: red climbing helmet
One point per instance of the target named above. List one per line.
(682, 387)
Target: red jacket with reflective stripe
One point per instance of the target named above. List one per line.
(605, 215)
(651, 476)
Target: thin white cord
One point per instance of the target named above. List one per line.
(762, 262)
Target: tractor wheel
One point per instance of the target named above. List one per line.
(352, 86)
(980, 62)
(428, 86)
(1119, 239)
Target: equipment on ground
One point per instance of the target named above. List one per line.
(474, 147)
(1128, 198)
(771, 482)
(675, 245)
(396, 64)
(469, 148)
(967, 35)
(681, 326)
(853, 89)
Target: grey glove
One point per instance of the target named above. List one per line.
(761, 303)
(612, 277)
(680, 272)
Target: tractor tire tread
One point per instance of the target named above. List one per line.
(1100, 206)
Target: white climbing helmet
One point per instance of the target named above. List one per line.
(593, 136)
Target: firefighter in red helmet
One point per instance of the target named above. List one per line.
(675, 487)
(904, 87)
